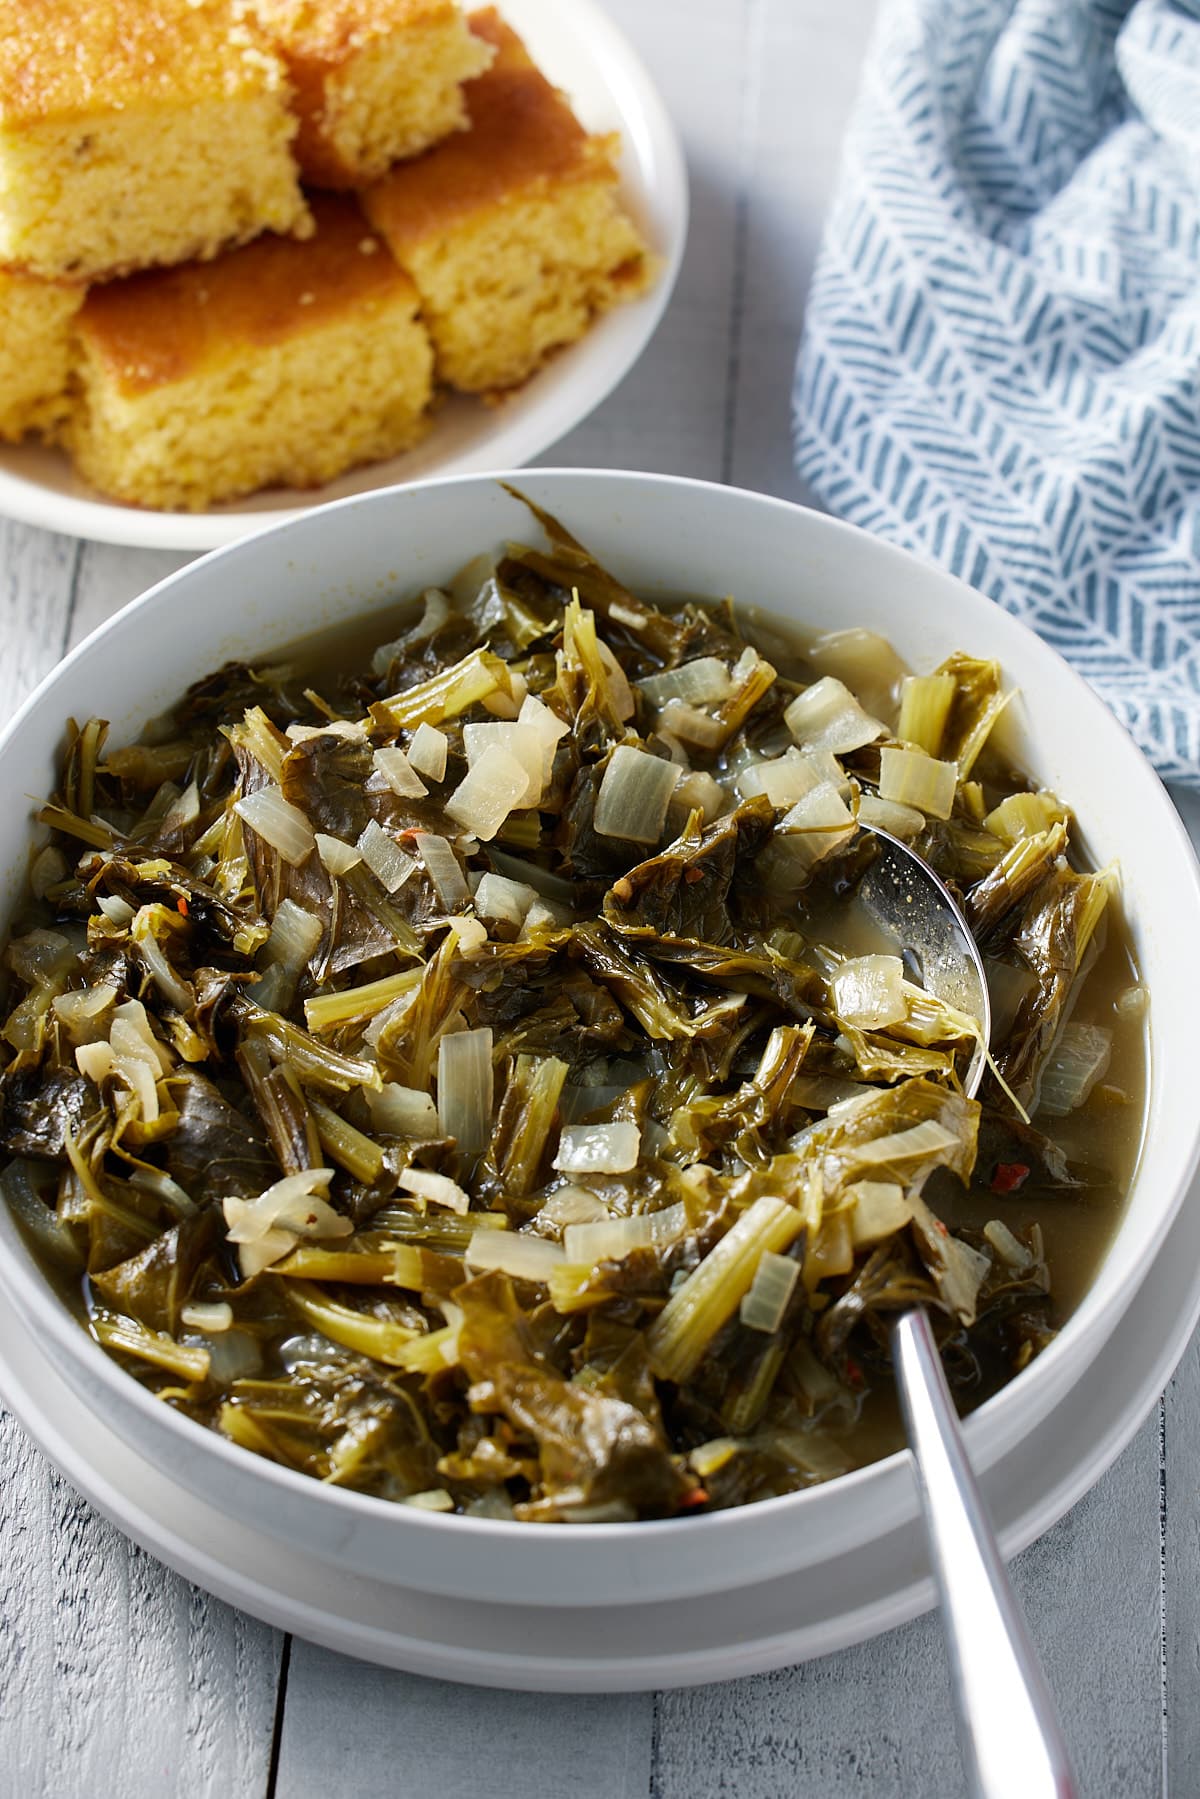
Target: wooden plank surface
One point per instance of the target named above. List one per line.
(116, 1676)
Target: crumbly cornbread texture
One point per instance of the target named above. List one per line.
(35, 354)
(372, 80)
(136, 132)
(512, 230)
(281, 362)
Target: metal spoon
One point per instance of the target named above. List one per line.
(1009, 1734)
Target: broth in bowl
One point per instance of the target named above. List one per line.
(442, 1065)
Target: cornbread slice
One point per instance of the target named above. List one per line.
(135, 132)
(512, 230)
(373, 80)
(279, 362)
(35, 353)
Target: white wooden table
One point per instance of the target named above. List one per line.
(117, 1677)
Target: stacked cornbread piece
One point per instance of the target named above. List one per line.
(246, 242)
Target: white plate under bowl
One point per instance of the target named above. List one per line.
(608, 1649)
(578, 48)
(689, 537)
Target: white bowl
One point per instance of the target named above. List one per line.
(661, 535)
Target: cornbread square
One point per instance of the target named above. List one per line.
(512, 230)
(279, 362)
(372, 80)
(35, 353)
(135, 132)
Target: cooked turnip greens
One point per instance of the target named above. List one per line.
(458, 1077)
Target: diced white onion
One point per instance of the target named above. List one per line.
(83, 1006)
(293, 1204)
(598, 1148)
(337, 857)
(1079, 1059)
(443, 868)
(115, 908)
(619, 690)
(696, 683)
(465, 1088)
(399, 773)
(526, 1258)
(886, 815)
(152, 954)
(1008, 1247)
(826, 716)
(470, 935)
(918, 1141)
(634, 795)
(774, 1282)
(914, 779)
(699, 791)
(278, 823)
(293, 937)
(609, 1239)
(816, 825)
(880, 1209)
(428, 751)
(438, 1189)
(537, 716)
(522, 742)
(690, 725)
(383, 856)
(94, 1061)
(132, 1037)
(570, 1205)
(181, 812)
(784, 780)
(498, 897)
(490, 790)
(403, 1111)
(206, 1316)
(506, 705)
(234, 1354)
(435, 1500)
(868, 991)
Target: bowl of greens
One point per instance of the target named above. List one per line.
(452, 1112)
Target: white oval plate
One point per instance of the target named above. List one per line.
(581, 51)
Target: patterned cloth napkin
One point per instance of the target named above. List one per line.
(1001, 360)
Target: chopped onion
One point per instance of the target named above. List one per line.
(1024, 815)
(498, 897)
(570, 1205)
(507, 705)
(383, 856)
(94, 1061)
(428, 751)
(438, 1189)
(152, 954)
(619, 690)
(403, 1111)
(880, 1209)
(887, 815)
(1009, 1248)
(868, 991)
(526, 1258)
(183, 811)
(337, 857)
(784, 780)
(82, 1008)
(914, 779)
(202, 1316)
(698, 792)
(610, 1239)
(278, 823)
(598, 1148)
(465, 1088)
(866, 662)
(919, 1140)
(696, 683)
(132, 1037)
(115, 908)
(234, 1354)
(817, 824)
(398, 772)
(826, 716)
(333, 727)
(634, 795)
(537, 716)
(491, 789)
(443, 868)
(293, 1204)
(774, 1282)
(435, 1500)
(522, 742)
(690, 725)
(1079, 1059)
(49, 867)
(293, 937)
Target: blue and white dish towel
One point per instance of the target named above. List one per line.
(1001, 360)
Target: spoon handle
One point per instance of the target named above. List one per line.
(1009, 1733)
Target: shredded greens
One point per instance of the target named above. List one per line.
(459, 1079)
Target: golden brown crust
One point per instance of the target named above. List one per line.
(68, 59)
(164, 325)
(315, 36)
(522, 134)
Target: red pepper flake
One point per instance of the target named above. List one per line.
(181, 906)
(692, 875)
(941, 1227)
(690, 1501)
(854, 1373)
(1009, 1176)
